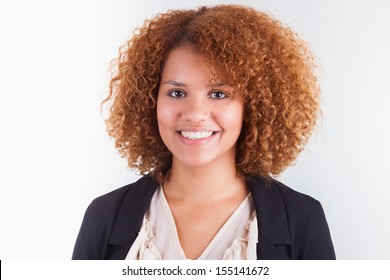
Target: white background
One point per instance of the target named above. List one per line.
(55, 156)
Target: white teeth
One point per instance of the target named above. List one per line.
(192, 135)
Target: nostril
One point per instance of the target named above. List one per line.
(196, 116)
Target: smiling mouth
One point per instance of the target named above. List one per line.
(195, 135)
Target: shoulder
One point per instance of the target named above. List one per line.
(110, 202)
(296, 201)
(290, 217)
(309, 231)
(103, 211)
(272, 192)
(102, 215)
(301, 209)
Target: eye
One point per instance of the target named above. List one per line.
(176, 93)
(218, 95)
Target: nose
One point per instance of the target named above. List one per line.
(196, 110)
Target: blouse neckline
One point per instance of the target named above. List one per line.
(248, 199)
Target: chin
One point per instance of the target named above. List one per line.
(194, 162)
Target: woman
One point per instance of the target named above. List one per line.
(209, 105)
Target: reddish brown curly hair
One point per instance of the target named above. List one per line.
(263, 61)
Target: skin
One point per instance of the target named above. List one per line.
(203, 187)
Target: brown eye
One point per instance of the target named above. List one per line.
(176, 93)
(218, 95)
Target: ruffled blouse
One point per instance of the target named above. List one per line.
(158, 238)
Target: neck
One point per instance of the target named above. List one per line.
(204, 184)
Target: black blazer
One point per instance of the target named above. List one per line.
(291, 225)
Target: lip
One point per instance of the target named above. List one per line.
(196, 129)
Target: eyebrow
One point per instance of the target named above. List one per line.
(180, 84)
(175, 83)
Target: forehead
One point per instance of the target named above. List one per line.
(187, 63)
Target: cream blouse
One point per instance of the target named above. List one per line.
(158, 238)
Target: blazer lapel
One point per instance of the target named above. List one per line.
(130, 216)
(271, 219)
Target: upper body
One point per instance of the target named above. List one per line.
(204, 101)
(291, 225)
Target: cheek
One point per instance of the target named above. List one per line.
(165, 114)
(233, 117)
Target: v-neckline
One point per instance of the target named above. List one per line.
(214, 240)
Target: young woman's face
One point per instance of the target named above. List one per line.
(198, 118)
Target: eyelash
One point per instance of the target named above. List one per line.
(219, 92)
(172, 94)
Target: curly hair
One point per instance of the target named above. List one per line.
(263, 61)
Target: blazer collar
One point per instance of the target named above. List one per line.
(270, 208)
(132, 211)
